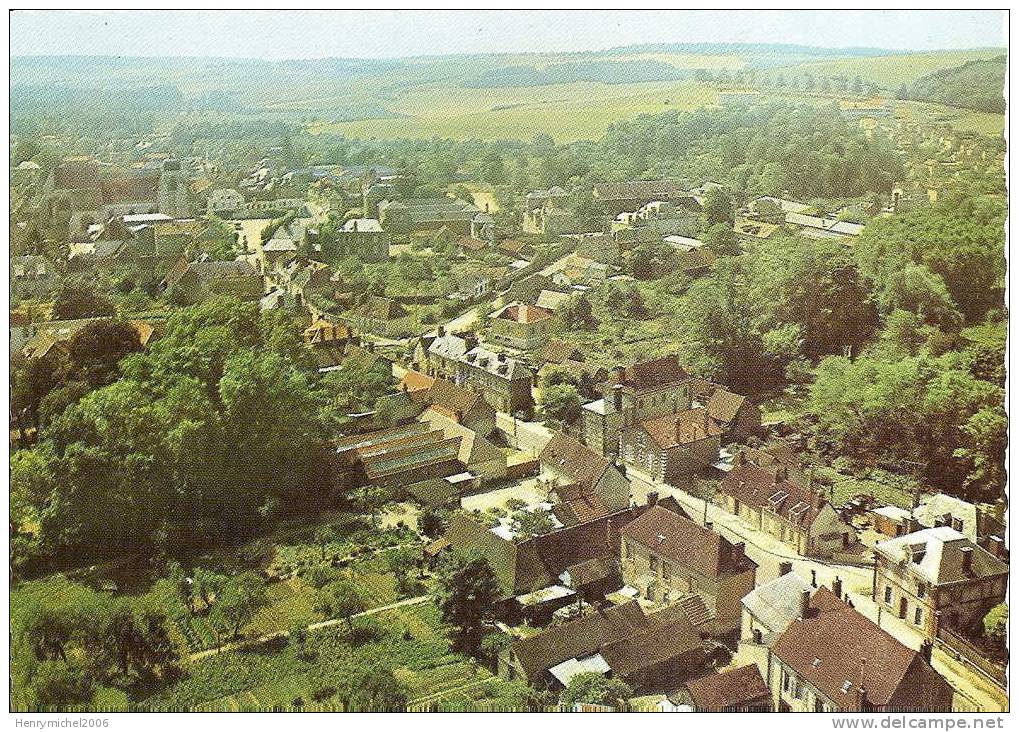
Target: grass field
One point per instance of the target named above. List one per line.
(891, 71)
(584, 110)
(964, 120)
(567, 112)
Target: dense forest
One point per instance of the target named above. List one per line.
(977, 84)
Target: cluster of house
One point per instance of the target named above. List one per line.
(764, 215)
(647, 595)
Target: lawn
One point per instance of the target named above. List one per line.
(784, 407)
(265, 678)
(887, 488)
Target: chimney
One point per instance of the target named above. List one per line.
(836, 587)
(619, 374)
(617, 397)
(486, 207)
(926, 649)
(784, 568)
(813, 578)
(502, 358)
(804, 605)
(355, 225)
(708, 525)
(996, 545)
(967, 560)
(652, 498)
(442, 331)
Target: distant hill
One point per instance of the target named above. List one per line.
(975, 85)
(574, 95)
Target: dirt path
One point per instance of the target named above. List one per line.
(246, 642)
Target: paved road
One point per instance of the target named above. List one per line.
(976, 690)
(251, 233)
(527, 436)
(246, 642)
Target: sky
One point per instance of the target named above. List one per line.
(389, 33)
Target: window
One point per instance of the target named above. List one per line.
(918, 616)
(653, 561)
(957, 523)
(921, 590)
(666, 571)
(888, 595)
(628, 550)
(650, 593)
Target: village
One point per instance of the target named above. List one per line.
(510, 441)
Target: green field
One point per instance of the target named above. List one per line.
(891, 71)
(964, 120)
(567, 112)
(264, 678)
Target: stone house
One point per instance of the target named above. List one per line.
(833, 659)
(582, 483)
(980, 523)
(734, 414)
(225, 200)
(197, 281)
(936, 578)
(673, 447)
(33, 277)
(365, 239)
(791, 511)
(503, 381)
(631, 195)
(667, 557)
(632, 394)
(769, 608)
(526, 565)
(521, 326)
(737, 690)
(648, 652)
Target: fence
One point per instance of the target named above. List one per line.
(966, 651)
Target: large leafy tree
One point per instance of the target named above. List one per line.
(466, 595)
(95, 350)
(77, 298)
(595, 688)
(190, 446)
(237, 602)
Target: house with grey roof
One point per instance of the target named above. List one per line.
(936, 578)
(769, 608)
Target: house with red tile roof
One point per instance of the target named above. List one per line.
(672, 447)
(522, 326)
(582, 483)
(736, 690)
